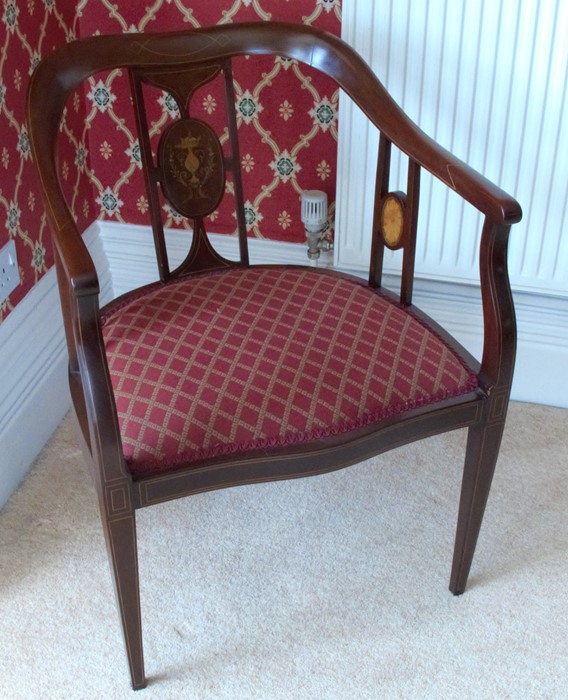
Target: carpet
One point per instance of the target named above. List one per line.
(330, 587)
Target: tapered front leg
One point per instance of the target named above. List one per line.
(121, 542)
(481, 456)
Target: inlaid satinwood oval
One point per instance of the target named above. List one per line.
(392, 220)
(192, 169)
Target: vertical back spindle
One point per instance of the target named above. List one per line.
(236, 162)
(381, 190)
(409, 235)
(150, 176)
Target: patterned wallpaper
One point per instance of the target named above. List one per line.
(287, 117)
(29, 30)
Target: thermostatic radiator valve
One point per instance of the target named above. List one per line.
(314, 218)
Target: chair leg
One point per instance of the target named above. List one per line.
(121, 543)
(483, 444)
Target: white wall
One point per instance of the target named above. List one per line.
(34, 394)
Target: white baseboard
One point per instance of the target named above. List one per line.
(134, 265)
(33, 360)
(541, 374)
(33, 372)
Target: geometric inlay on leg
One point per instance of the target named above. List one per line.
(192, 169)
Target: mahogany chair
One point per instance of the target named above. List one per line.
(222, 373)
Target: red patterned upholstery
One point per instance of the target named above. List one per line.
(265, 356)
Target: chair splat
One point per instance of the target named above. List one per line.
(190, 165)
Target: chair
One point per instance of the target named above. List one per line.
(222, 373)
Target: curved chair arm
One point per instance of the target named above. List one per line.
(485, 196)
(43, 115)
(373, 99)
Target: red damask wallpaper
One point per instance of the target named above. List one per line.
(29, 30)
(287, 117)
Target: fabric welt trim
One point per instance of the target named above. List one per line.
(148, 468)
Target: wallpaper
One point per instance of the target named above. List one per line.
(29, 30)
(287, 119)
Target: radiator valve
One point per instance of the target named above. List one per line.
(314, 218)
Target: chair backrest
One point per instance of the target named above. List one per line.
(190, 166)
(181, 63)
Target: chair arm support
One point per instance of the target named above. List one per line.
(99, 403)
(500, 331)
(77, 264)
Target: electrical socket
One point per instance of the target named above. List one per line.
(9, 273)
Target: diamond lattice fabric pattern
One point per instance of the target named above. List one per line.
(266, 356)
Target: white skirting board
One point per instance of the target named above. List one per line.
(33, 371)
(134, 265)
(33, 361)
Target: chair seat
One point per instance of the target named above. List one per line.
(250, 358)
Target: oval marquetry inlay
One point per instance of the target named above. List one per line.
(192, 170)
(392, 221)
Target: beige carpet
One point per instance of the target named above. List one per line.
(330, 587)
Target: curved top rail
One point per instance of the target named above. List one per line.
(62, 71)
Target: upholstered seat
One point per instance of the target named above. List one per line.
(244, 359)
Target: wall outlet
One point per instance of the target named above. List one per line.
(9, 273)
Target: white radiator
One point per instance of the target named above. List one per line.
(488, 80)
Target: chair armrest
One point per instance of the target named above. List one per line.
(76, 261)
(484, 195)
(360, 83)
(497, 205)
(45, 103)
